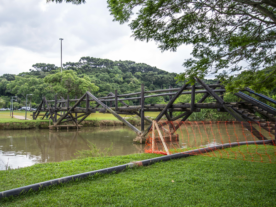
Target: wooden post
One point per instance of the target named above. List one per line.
(170, 110)
(153, 138)
(221, 93)
(142, 108)
(67, 105)
(116, 100)
(76, 115)
(161, 137)
(193, 98)
(44, 103)
(87, 103)
(111, 102)
(221, 96)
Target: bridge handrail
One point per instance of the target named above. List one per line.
(111, 98)
(158, 91)
(262, 103)
(261, 95)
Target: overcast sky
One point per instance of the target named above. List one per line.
(30, 32)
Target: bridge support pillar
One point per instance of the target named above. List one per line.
(140, 139)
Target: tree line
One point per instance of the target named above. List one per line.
(100, 76)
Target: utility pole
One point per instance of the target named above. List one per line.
(12, 104)
(60, 54)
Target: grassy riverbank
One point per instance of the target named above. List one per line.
(94, 120)
(193, 181)
(5, 116)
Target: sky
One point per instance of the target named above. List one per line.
(30, 32)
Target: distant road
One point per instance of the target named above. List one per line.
(20, 117)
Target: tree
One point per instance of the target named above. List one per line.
(224, 33)
(22, 86)
(3, 86)
(44, 67)
(9, 77)
(255, 79)
(2, 102)
(69, 83)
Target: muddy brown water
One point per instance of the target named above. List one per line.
(21, 148)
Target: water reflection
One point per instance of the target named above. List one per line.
(25, 148)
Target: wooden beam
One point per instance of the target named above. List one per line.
(68, 103)
(87, 103)
(86, 115)
(232, 111)
(210, 91)
(168, 106)
(161, 137)
(193, 98)
(170, 111)
(43, 99)
(168, 116)
(114, 113)
(189, 113)
(163, 94)
(142, 108)
(160, 91)
(77, 104)
(116, 100)
(256, 103)
(71, 109)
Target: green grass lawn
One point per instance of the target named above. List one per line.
(5, 116)
(192, 181)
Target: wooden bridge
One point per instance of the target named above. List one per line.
(62, 111)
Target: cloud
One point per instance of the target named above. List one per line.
(30, 32)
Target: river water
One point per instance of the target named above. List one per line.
(21, 148)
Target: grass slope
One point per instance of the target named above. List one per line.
(193, 181)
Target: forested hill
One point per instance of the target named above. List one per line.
(124, 76)
(107, 75)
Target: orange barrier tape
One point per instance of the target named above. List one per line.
(203, 134)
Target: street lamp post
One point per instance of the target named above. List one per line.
(26, 105)
(60, 54)
(12, 104)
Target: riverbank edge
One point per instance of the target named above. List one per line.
(44, 124)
